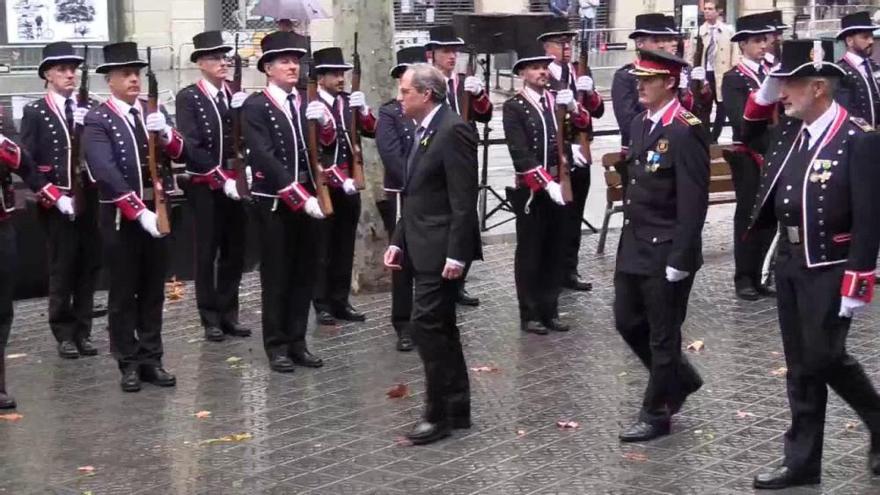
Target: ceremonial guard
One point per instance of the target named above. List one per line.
(819, 185)
(204, 117)
(665, 200)
(558, 44)
(274, 122)
(745, 158)
(115, 139)
(394, 139)
(774, 39)
(859, 91)
(443, 47)
(338, 232)
(50, 127)
(530, 126)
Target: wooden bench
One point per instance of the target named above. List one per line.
(720, 187)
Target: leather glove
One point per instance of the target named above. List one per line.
(555, 192)
(392, 258)
(238, 99)
(585, 84)
(674, 275)
(65, 206)
(565, 98)
(315, 111)
(769, 92)
(79, 115)
(230, 190)
(579, 159)
(683, 81)
(150, 222)
(698, 73)
(473, 85)
(848, 305)
(313, 208)
(349, 187)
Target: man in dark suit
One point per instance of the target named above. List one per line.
(859, 90)
(204, 116)
(660, 250)
(435, 239)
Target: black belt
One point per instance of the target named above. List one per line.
(792, 234)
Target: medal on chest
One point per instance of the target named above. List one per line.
(821, 171)
(653, 161)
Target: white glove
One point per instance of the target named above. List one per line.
(3, 139)
(357, 99)
(156, 122)
(79, 115)
(238, 99)
(230, 190)
(65, 206)
(769, 92)
(249, 175)
(555, 192)
(315, 111)
(150, 222)
(349, 187)
(673, 275)
(698, 73)
(473, 85)
(579, 159)
(848, 305)
(585, 83)
(565, 97)
(391, 258)
(683, 81)
(313, 208)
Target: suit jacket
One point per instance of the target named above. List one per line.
(625, 101)
(854, 92)
(394, 135)
(14, 159)
(439, 214)
(726, 54)
(736, 86)
(207, 134)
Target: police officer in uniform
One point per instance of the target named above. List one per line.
(338, 233)
(820, 185)
(116, 146)
(530, 126)
(752, 35)
(660, 249)
(394, 139)
(48, 126)
(204, 116)
(274, 124)
(859, 90)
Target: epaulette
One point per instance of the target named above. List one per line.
(861, 123)
(690, 118)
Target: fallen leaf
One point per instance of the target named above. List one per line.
(568, 425)
(851, 426)
(174, 290)
(635, 456)
(776, 353)
(11, 417)
(202, 414)
(87, 492)
(193, 341)
(235, 437)
(485, 369)
(520, 433)
(16, 356)
(696, 346)
(744, 414)
(779, 371)
(622, 374)
(86, 469)
(233, 360)
(403, 442)
(398, 391)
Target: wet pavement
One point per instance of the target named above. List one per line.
(334, 430)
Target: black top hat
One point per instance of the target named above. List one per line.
(753, 25)
(279, 43)
(854, 23)
(117, 55)
(443, 35)
(653, 24)
(669, 24)
(657, 63)
(557, 26)
(328, 59)
(406, 57)
(807, 58)
(532, 52)
(775, 17)
(60, 52)
(208, 42)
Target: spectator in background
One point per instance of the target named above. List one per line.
(560, 8)
(587, 13)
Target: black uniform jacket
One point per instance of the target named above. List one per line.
(207, 134)
(13, 159)
(394, 136)
(481, 106)
(855, 93)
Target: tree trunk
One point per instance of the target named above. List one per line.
(373, 20)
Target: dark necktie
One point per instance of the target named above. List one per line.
(294, 115)
(450, 94)
(68, 113)
(413, 149)
(140, 134)
(548, 112)
(761, 74)
(805, 140)
(222, 108)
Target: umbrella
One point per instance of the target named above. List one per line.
(301, 11)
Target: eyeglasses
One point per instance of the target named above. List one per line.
(217, 57)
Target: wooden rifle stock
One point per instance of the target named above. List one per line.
(82, 100)
(159, 199)
(465, 95)
(564, 166)
(583, 69)
(357, 156)
(321, 190)
(701, 108)
(241, 185)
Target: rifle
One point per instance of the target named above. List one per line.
(241, 184)
(583, 69)
(82, 100)
(564, 170)
(701, 110)
(466, 96)
(321, 190)
(161, 204)
(357, 156)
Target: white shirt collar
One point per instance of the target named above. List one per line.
(751, 64)
(660, 113)
(533, 95)
(770, 58)
(280, 95)
(818, 127)
(326, 96)
(59, 101)
(856, 59)
(124, 108)
(556, 70)
(212, 90)
(427, 120)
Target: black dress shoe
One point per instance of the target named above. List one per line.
(574, 282)
(466, 299)
(326, 318)
(236, 330)
(281, 364)
(307, 359)
(348, 313)
(6, 401)
(405, 342)
(214, 334)
(641, 431)
(556, 325)
(157, 376)
(85, 347)
(873, 462)
(131, 381)
(748, 294)
(783, 477)
(766, 291)
(425, 432)
(67, 350)
(532, 326)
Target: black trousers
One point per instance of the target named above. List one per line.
(749, 250)
(219, 254)
(648, 313)
(541, 233)
(336, 252)
(74, 263)
(720, 115)
(287, 274)
(580, 188)
(438, 341)
(9, 255)
(814, 341)
(401, 280)
(135, 263)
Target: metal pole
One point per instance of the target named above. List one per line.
(732, 11)
(213, 15)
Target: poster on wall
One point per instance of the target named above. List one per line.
(44, 21)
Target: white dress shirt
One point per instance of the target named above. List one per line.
(818, 127)
(658, 115)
